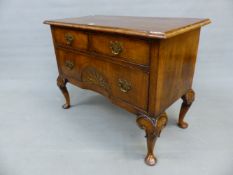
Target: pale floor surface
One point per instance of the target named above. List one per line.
(95, 137)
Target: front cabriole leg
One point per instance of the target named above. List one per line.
(188, 99)
(152, 127)
(61, 83)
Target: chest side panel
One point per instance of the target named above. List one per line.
(176, 64)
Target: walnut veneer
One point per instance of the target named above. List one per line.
(142, 64)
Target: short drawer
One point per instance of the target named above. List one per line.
(67, 64)
(70, 38)
(124, 48)
(127, 84)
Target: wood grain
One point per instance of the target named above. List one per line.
(152, 27)
(176, 63)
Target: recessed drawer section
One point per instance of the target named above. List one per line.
(129, 49)
(127, 84)
(70, 38)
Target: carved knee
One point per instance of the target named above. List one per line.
(152, 127)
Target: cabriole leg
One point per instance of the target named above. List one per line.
(152, 127)
(61, 83)
(188, 99)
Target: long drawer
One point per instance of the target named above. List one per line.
(117, 80)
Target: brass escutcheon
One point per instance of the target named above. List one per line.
(69, 38)
(124, 85)
(116, 47)
(69, 64)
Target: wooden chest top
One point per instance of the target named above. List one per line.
(152, 27)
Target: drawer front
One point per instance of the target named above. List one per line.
(130, 85)
(67, 64)
(70, 38)
(128, 49)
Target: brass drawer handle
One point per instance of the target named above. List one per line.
(69, 64)
(116, 47)
(124, 85)
(69, 38)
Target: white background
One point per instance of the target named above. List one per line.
(95, 137)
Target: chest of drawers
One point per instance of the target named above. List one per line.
(142, 64)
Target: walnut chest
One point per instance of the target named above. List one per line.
(142, 64)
